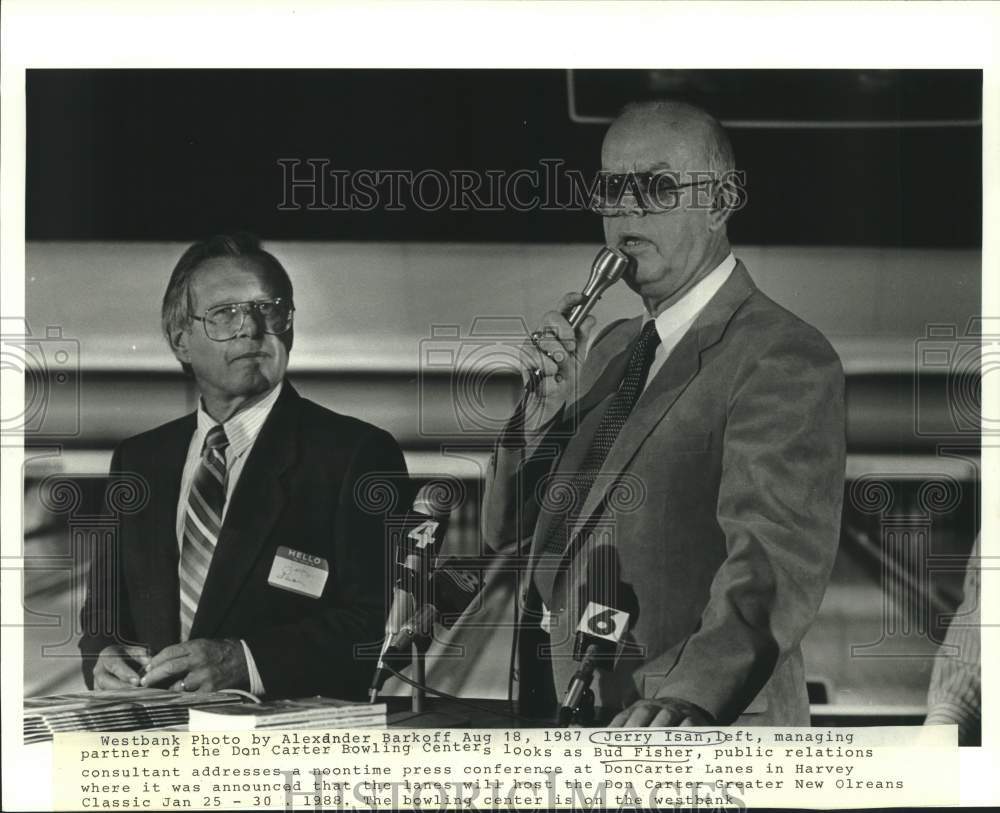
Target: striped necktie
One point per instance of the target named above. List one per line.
(202, 523)
(611, 424)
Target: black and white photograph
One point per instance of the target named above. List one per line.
(554, 402)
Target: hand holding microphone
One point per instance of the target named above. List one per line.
(551, 357)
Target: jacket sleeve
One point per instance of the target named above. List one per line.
(318, 653)
(511, 502)
(105, 618)
(779, 507)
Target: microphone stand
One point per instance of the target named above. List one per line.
(417, 694)
(578, 702)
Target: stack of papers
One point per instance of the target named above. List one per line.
(107, 710)
(308, 712)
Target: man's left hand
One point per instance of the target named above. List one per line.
(201, 665)
(661, 712)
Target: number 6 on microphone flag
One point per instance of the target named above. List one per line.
(604, 627)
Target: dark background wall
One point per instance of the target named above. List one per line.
(175, 154)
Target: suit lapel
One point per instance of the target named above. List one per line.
(609, 361)
(157, 609)
(672, 379)
(253, 509)
(649, 410)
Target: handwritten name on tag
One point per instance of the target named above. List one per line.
(298, 572)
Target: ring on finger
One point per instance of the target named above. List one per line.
(533, 385)
(538, 335)
(551, 356)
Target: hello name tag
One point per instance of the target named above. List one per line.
(298, 572)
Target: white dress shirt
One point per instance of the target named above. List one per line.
(676, 320)
(241, 430)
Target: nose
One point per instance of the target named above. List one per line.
(628, 206)
(253, 324)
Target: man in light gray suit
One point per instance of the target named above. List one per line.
(688, 469)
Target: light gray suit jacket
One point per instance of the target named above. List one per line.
(714, 520)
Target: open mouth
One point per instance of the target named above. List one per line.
(632, 242)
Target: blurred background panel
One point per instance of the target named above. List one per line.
(863, 217)
(876, 158)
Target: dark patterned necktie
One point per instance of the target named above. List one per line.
(611, 424)
(202, 523)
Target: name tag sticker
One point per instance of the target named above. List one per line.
(298, 572)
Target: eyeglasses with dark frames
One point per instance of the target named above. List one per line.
(639, 192)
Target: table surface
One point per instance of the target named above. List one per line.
(443, 713)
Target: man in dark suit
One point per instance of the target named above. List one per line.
(688, 471)
(256, 562)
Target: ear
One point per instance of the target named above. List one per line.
(721, 211)
(179, 344)
(730, 196)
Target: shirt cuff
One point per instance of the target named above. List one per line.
(256, 684)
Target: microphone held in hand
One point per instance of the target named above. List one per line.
(609, 266)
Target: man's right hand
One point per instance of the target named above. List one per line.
(556, 350)
(118, 666)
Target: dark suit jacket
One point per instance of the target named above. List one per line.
(716, 514)
(307, 485)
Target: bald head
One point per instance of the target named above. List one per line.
(686, 134)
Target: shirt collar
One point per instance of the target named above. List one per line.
(243, 427)
(685, 310)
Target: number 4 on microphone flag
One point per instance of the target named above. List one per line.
(423, 536)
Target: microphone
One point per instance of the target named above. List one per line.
(600, 637)
(452, 591)
(426, 524)
(609, 266)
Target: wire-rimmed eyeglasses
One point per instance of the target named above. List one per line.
(224, 322)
